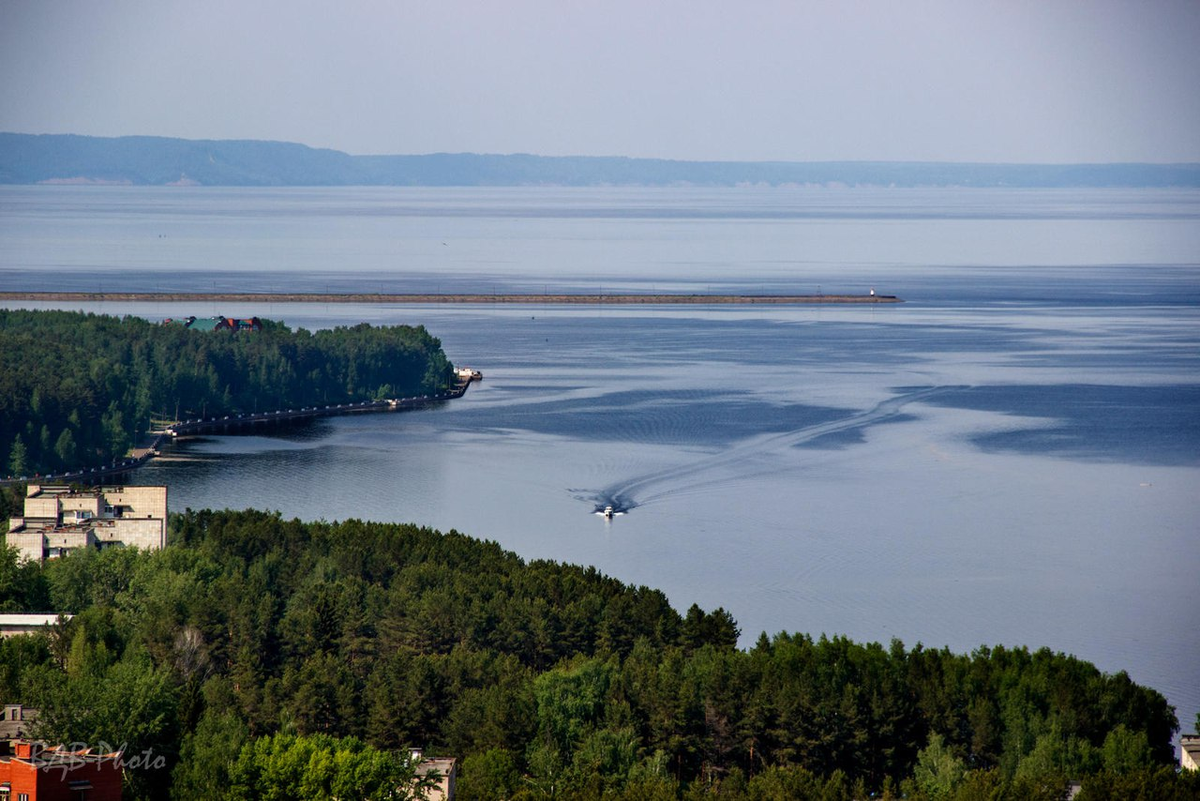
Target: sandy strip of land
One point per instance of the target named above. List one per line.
(509, 298)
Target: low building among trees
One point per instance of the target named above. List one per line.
(436, 776)
(14, 624)
(216, 323)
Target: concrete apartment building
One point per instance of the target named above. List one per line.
(59, 520)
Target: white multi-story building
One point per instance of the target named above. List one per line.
(59, 520)
(1189, 752)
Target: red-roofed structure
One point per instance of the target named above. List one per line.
(33, 772)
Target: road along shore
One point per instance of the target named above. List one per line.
(235, 423)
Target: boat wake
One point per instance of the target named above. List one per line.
(641, 490)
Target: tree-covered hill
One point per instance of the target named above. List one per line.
(253, 643)
(77, 389)
(155, 161)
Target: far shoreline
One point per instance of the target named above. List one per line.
(614, 299)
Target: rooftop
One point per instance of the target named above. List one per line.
(65, 491)
(442, 765)
(14, 720)
(28, 619)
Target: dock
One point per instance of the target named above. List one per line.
(228, 422)
(241, 422)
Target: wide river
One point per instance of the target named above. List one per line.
(1010, 457)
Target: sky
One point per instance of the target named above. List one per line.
(1041, 81)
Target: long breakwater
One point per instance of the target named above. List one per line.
(618, 299)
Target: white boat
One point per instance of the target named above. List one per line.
(608, 513)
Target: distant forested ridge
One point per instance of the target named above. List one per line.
(156, 161)
(77, 389)
(254, 645)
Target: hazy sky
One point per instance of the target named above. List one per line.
(946, 80)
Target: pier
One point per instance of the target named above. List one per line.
(238, 422)
(227, 422)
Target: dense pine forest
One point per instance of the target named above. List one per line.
(77, 390)
(262, 657)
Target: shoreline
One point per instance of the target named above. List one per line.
(433, 298)
(234, 423)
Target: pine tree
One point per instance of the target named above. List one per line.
(17, 458)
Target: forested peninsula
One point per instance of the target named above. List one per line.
(78, 390)
(260, 656)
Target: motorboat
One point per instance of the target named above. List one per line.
(608, 513)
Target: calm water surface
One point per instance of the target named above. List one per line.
(1012, 456)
